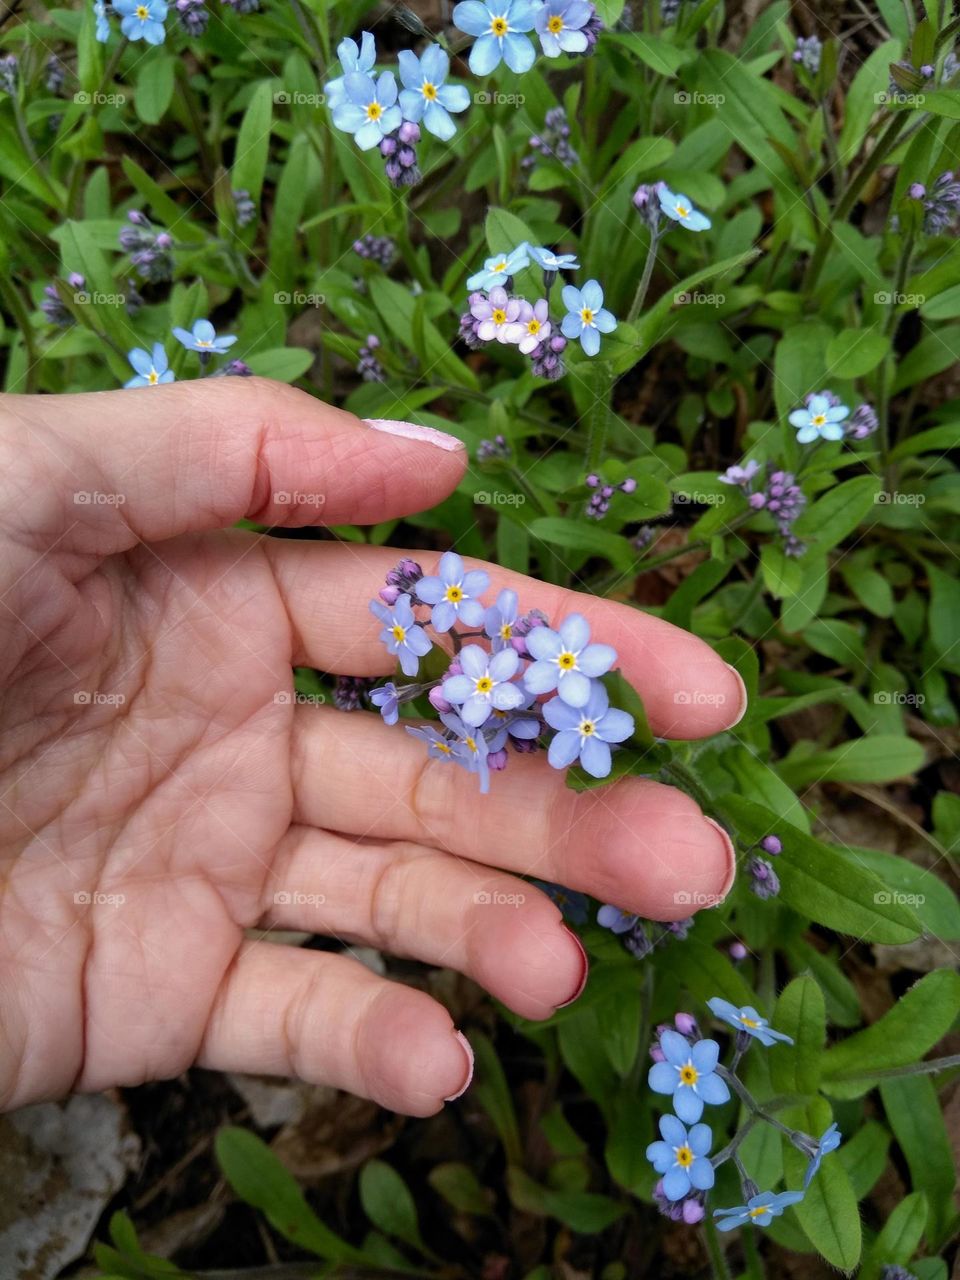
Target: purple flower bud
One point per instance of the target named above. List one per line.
(137, 218)
(926, 70)
(771, 844)
(657, 1054)
(164, 240)
(757, 500)
(454, 669)
(628, 485)
(558, 343)
(373, 341)
(439, 702)
(693, 1211)
(388, 146)
(409, 132)
(592, 480)
(407, 157)
(390, 595)
(737, 951)
(686, 1024)
(497, 760)
(393, 170)
(917, 191)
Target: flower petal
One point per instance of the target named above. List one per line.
(444, 615)
(595, 758)
(615, 726)
(574, 689)
(541, 677)
(485, 55)
(676, 1184)
(564, 749)
(705, 1055)
(676, 1048)
(590, 341)
(687, 1105)
(575, 632)
(472, 17)
(439, 122)
(543, 643)
(597, 659)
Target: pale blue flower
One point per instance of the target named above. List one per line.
(425, 96)
(565, 660)
(103, 22)
(353, 60)
(760, 1210)
(559, 24)
(454, 593)
(747, 1019)
(830, 1140)
(151, 370)
(499, 267)
(498, 25)
(547, 260)
(404, 637)
(501, 618)
(680, 208)
(388, 701)
(585, 733)
(586, 316)
(142, 19)
(681, 1157)
(439, 746)
(203, 338)
(819, 418)
(615, 919)
(688, 1074)
(484, 684)
(369, 109)
(470, 749)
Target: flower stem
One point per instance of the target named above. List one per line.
(641, 293)
(718, 1262)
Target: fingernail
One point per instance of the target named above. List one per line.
(744, 700)
(413, 431)
(584, 971)
(731, 859)
(469, 1052)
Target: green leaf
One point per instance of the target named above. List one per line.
(831, 518)
(459, 1186)
(782, 574)
(943, 102)
(491, 1090)
(853, 352)
(658, 54)
(155, 87)
(577, 535)
(387, 1202)
(799, 363)
(883, 757)
(898, 1241)
(864, 1157)
(919, 887)
(918, 1020)
(258, 1177)
(398, 307)
(582, 1211)
(801, 1013)
(828, 1211)
(253, 142)
(283, 364)
(913, 1112)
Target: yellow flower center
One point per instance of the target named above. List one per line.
(688, 1074)
(374, 111)
(567, 661)
(499, 266)
(143, 13)
(429, 91)
(499, 315)
(153, 377)
(759, 1211)
(506, 631)
(442, 746)
(470, 744)
(819, 419)
(398, 633)
(749, 1022)
(499, 26)
(684, 1156)
(202, 342)
(586, 315)
(682, 211)
(484, 684)
(533, 326)
(555, 24)
(587, 727)
(454, 594)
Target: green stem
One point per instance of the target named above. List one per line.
(638, 298)
(684, 778)
(718, 1262)
(597, 435)
(11, 296)
(890, 325)
(929, 1068)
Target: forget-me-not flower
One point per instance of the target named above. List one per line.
(438, 746)
(573, 904)
(559, 26)
(520, 722)
(498, 26)
(353, 60)
(586, 732)
(498, 316)
(617, 921)
(550, 261)
(534, 318)
(565, 660)
(402, 634)
(454, 593)
(688, 1073)
(819, 418)
(425, 96)
(142, 19)
(387, 700)
(740, 476)
(103, 22)
(681, 209)
(681, 1157)
(760, 1209)
(501, 618)
(499, 268)
(484, 684)
(586, 316)
(151, 369)
(203, 338)
(830, 1140)
(369, 108)
(747, 1019)
(470, 748)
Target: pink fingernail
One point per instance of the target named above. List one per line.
(731, 859)
(469, 1052)
(584, 972)
(744, 699)
(413, 431)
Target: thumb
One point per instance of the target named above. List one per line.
(111, 468)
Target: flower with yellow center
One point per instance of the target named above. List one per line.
(484, 684)
(689, 1074)
(562, 26)
(682, 1158)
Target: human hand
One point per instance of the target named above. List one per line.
(161, 791)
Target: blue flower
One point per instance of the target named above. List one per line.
(559, 24)
(615, 920)
(387, 700)
(760, 1209)
(829, 1142)
(103, 22)
(565, 660)
(574, 905)
(353, 60)
(151, 370)
(747, 1019)
(499, 267)
(680, 209)
(688, 1073)
(142, 19)
(682, 1157)
(368, 109)
(501, 618)
(401, 633)
(585, 732)
(550, 261)
(497, 24)
(819, 418)
(484, 684)
(586, 316)
(425, 96)
(470, 749)
(454, 593)
(438, 746)
(203, 338)
(740, 476)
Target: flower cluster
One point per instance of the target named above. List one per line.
(941, 203)
(780, 495)
(488, 697)
(686, 1068)
(150, 250)
(501, 29)
(52, 305)
(379, 249)
(654, 201)
(640, 936)
(808, 52)
(368, 366)
(599, 502)
(553, 142)
(144, 19)
(764, 881)
(152, 368)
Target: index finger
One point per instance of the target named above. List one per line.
(687, 689)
